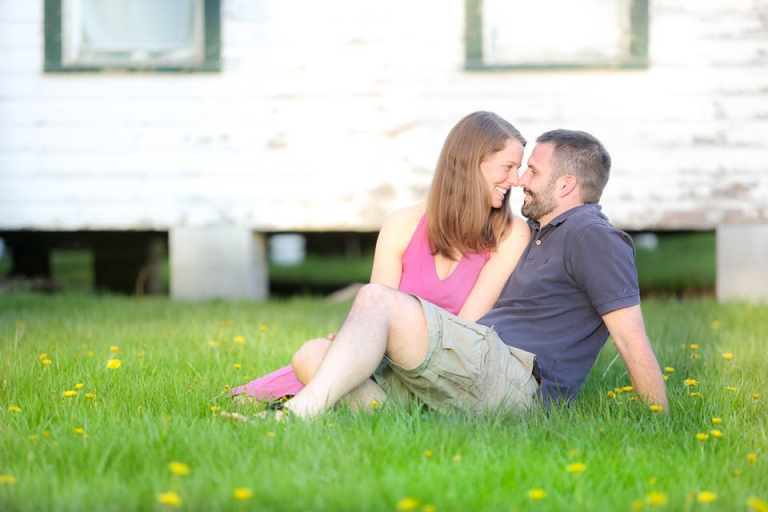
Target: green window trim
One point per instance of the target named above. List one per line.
(53, 43)
(638, 47)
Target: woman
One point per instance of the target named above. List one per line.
(456, 249)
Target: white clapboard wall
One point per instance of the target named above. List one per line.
(328, 115)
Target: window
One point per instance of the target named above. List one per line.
(521, 34)
(167, 35)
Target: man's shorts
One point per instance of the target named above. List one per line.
(467, 369)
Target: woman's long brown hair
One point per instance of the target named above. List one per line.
(460, 217)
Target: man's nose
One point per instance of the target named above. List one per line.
(523, 179)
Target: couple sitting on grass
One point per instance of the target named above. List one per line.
(469, 309)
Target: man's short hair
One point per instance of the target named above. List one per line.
(581, 155)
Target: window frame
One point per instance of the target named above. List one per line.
(211, 48)
(638, 47)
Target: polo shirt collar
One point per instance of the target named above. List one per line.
(534, 224)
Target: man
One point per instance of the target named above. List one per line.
(575, 284)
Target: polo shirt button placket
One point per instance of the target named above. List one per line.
(538, 242)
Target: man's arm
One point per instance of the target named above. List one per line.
(627, 330)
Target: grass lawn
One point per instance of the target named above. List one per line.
(76, 435)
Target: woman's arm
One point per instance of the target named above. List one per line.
(494, 275)
(395, 233)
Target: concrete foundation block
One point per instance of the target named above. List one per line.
(742, 262)
(228, 263)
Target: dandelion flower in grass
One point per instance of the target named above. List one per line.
(271, 434)
(428, 454)
(752, 458)
(428, 508)
(215, 408)
(213, 343)
(576, 467)
(669, 369)
(706, 497)
(727, 356)
(657, 499)
(170, 498)
(113, 364)
(47, 362)
(375, 404)
(457, 458)
(666, 377)
(238, 366)
(716, 433)
(14, 408)
(43, 356)
(79, 431)
(610, 394)
(694, 346)
(537, 494)
(91, 353)
(408, 504)
(736, 473)
(656, 408)
(702, 436)
(239, 339)
(731, 388)
(113, 349)
(696, 394)
(262, 328)
(628, 389)
(717, 420)
(178, 468)
(7, 479)
(70, 393)
(90, 396)
(757, 504)
(691, 382)
(715, 324)
(755, 396)
(79, 385)
(243, 493)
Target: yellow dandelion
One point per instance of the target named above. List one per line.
(717, 420)
(691, 382)
(695, 357)
(715, 324)
(113, 349)
(706, 497)
(702, 436)
(428, 508)
(457, 458)
(375, 404)
(408, 504)
(140, 354)
(271, 434)
(330, 425)
(46, 433)
(696, 394)
(238, 366)
(239, 339)
(657, 499)
(618, 391)
(213, 343)
(113, 364)
(752, 458)
(43, 356)
(243, 493)
(91, 353)
(610, 394)
(730, 388)
(178, 468)
(79, 385)
(14, 408)
(727, 356)
(736, 473)
(215, 408)
(656, 408)
(428, 454)
(683, 346)
(669, 369)
(262, 328)
(32, 438)
(69, 393)
(576, 467)
(666, 377)
(757, 504)
(638, 505)
(47, 362)
(694, 346)
(537, 494)
(170, 498)
(90, 395)
(716, 433)
(628, 389)
(755, 396)
(79, 431)
(7, 479)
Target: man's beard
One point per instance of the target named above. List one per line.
(541, 203)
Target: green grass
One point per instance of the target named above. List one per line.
(156, 409)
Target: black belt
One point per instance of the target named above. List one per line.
(536, 372)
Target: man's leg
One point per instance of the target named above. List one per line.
(307, 360)
(381, 321)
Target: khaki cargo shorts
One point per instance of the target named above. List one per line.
(468, 369)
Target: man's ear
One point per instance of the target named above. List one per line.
(567, 185)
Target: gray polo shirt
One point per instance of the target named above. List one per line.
(574, 270)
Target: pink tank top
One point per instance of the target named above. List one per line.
(420, 275)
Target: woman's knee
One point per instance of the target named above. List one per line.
(307, 359)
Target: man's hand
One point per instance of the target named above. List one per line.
(627, 330)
